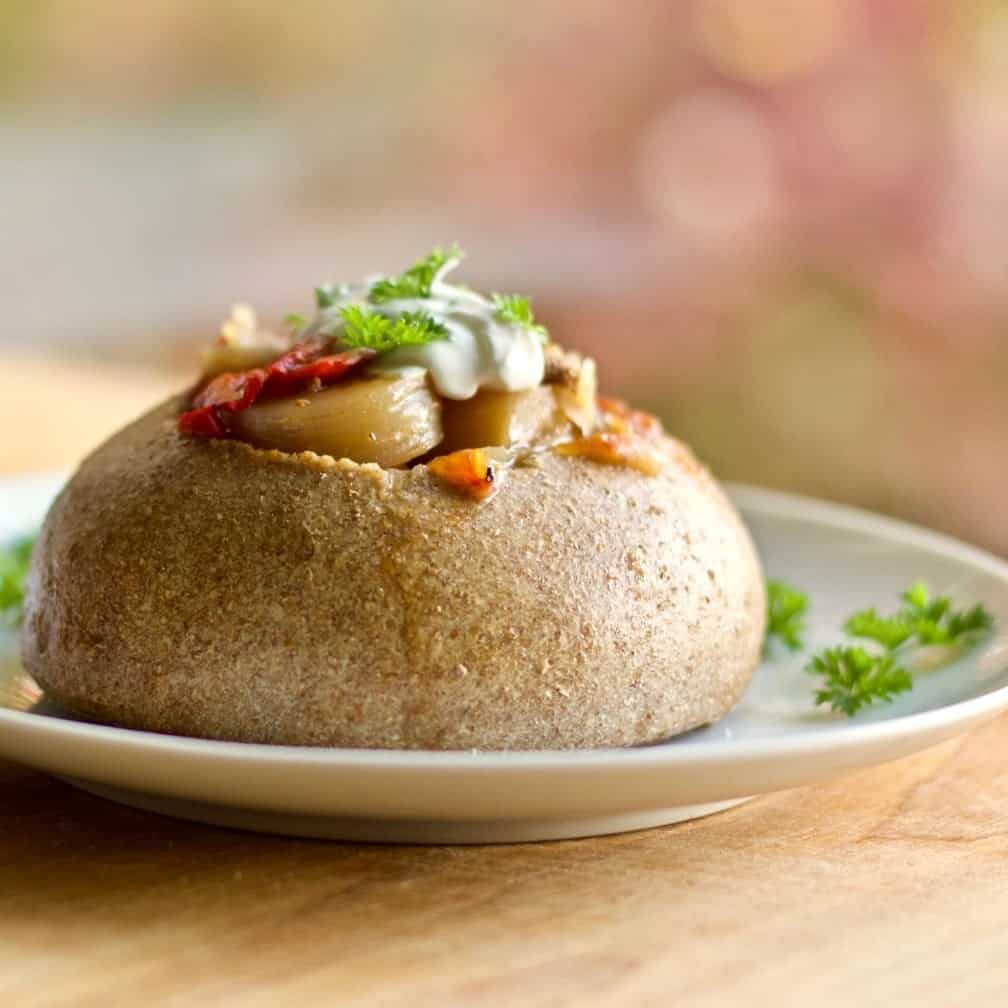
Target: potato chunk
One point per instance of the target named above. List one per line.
(388, 420)
(493, 418)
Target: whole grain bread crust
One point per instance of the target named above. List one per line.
(208, 588)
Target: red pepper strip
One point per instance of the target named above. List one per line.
(236, 391)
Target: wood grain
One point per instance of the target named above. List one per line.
(889, 886)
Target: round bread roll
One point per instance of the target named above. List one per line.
(209, 588)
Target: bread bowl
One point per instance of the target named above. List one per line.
(584, 584)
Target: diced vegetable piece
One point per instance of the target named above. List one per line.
(469, 471)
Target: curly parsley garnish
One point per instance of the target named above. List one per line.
(328, 294)
(373, 331)
(854, 678)
(416, 282)
(382, 330)
(14, 560)
(786, 609)
(517, 310)
(922, 620)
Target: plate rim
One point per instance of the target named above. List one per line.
(681, 753)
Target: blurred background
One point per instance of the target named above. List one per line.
(781, 225)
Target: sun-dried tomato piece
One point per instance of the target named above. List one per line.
(235, 391)
(230, 392)
(305, 362)
(469, 471)
(202, 422)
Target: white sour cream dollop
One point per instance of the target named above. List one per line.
(480, 351)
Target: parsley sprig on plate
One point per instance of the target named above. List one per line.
(14, 560)
(922, 620)
(786, 609)
(856, 676)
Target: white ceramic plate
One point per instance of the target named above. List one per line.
(774, 739)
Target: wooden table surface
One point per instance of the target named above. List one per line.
(889, 886)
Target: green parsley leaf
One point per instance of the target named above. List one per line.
(417, 280)
(919, 606)
(328, 294)
(14, 560)
(921, 620)
(517, 310)
(295, 321)
(917, 598)
(854, 678)
(969, 623)
(786, 614)
(373, 331)
(890, 631)
(936, 622)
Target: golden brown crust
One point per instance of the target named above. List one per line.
(207, 588)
